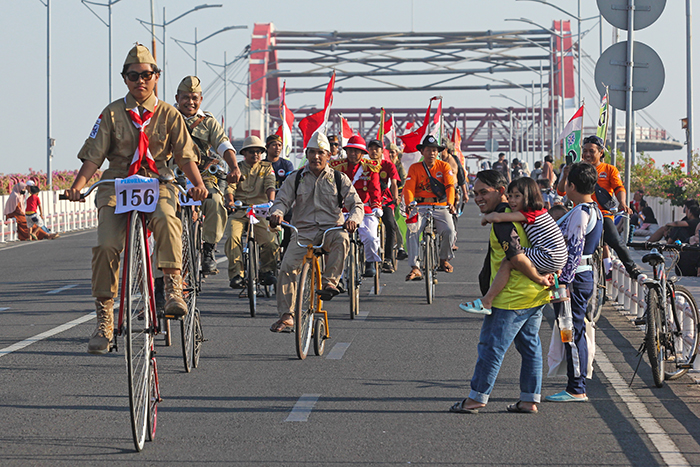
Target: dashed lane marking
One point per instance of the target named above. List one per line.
(338, 351)
(61, 289)
(362, 315)
(51, 332)
(3, 308)
(302, 409)
(662, 442)
(221, 260)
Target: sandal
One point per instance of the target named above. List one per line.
(458, 407)
(446, 267)
(515, 408)
(475, 307)
(414, 275)
(328, 292)
(281, 325)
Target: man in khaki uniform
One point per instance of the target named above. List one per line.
(115, 137)
(316, 210)
(207, 134)
(257, 187)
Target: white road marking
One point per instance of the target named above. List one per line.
(338, 351)
(302, 409)
(662, 442)
(362, 315)
(61, 289)
(21, 244)
(3, 308)
(221, 260)
(44, 335)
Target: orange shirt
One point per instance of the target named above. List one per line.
(418, 184)
(609, 180)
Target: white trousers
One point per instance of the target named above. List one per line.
(370, 239)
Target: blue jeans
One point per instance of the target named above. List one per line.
(500, 329)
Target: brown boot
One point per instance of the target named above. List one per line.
(99, 342)
(174, 303)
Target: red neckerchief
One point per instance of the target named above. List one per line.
(142, 150)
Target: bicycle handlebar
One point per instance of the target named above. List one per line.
(323, 239)
(664, 246)
(93, 186)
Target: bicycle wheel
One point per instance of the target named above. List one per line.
(304, 310)
(595, 304)
(429, 267)
(378, 265)
(351, 278)
(252, 276)
(153, 401)
(319, 336)
(189, 290)
(684, 334)
(198, 245)
(138, 334)
(653, 338)
(198, 338)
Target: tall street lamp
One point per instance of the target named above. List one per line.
(197, 42)
(164, 25)
(49, 140)
(107, 23)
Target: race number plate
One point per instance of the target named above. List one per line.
(185, 200)
(136, 193)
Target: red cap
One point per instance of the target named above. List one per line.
(357, 142)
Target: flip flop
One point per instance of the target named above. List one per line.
(475, 307)
(281, 326)
(414, 276)
(565, 397)
(447, 267)
(515, 408)
(458, 407)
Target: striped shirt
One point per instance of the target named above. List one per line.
(548, 252)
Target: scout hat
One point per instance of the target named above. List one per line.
(319, 141)
(139, 54)
(357, 142)
(253, 142)
(429, 141)
(272, 139)
(190, 84)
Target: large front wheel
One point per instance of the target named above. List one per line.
(304, 310)
(252, 275)
(595, 304)
(351, 280)
(429, 267)
(653, 338)
(138, 331)
(189, 289)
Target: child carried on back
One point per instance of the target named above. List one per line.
(548, 253)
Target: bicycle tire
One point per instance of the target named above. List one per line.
(685, 336)
(378, 265)
(198, 338)
(198, 246)
(189, 290)
(351, 278)
(429, 268)
(252, 276)
(595, 304)
(319, 336)
(138, 329)
(304, 310)
(653, 338)
(154, 398)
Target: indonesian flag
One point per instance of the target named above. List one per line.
(411, 154)
(387, 129)
(285, 129)
(457, 140)
(345, 131)
(316, 123)
(436, 127)
(572, 136)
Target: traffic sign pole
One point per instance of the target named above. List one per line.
(630, 139)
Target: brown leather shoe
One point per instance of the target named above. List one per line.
(102, 336)
(174, 303)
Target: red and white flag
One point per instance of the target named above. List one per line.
(457, 140)
(285, 129)
(436, 127)
(317, 123)
(411, 154)
(387, 130)
(345, 131)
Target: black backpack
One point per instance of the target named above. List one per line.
(338, 183)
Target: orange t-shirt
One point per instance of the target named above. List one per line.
(418, 184)
(609, 180)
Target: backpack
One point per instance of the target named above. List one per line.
(338, 176)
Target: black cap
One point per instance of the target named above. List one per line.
(374, 142)
(430, 141)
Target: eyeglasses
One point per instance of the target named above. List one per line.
(134, 76)
(335, 144)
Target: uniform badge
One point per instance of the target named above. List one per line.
(438, 175)
(383, 174)
(281, 172)
(364, 188)
(96, 128)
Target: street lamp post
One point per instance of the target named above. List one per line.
(524, 144)
(107, 23)
(197, 42)
(49, 140)
(164, 25)
(689, 81)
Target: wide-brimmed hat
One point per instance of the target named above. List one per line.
(357, 142)
(430, 142)
(253, 142)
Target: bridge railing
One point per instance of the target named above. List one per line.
(59, 215)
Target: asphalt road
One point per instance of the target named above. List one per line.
(384, 401)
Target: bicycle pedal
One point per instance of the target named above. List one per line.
(640, 321)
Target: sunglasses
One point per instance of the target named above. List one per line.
(134, 76)
(335, 144)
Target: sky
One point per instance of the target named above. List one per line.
(80, 59)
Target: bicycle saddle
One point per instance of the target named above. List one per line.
(654, 258)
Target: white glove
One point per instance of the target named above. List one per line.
(378, 212)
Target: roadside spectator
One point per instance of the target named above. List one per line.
(526, 168)
(34, 215)
(502, 165)
(649, 223)
(517, 311)
(679, 230)
(548, 169)
(14, 208)
(549, 195)
(517, 170)
(689, 261)
(536, 173)
(637, 204)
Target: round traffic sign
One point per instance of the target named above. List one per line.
(645, 13)
(491, 145)
(647, 80)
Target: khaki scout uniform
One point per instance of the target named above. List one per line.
(315, 210)
(115, 138)
(252, 190)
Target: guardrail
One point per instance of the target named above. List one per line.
(59, 215)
